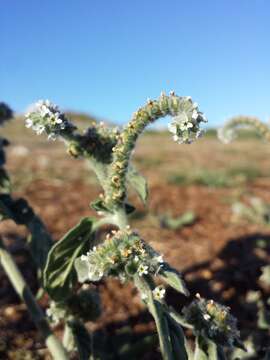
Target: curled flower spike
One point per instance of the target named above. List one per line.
(213, 321)
(5, 113)
(185, 127)
(97, 141)
(228, 132)
(45, 117)
(122, 255)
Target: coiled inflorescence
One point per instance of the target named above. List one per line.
(5, 113)
(185, 127)
(213, 321)
(45, 117)
(228, 132)
(122, 255)
(97, 141)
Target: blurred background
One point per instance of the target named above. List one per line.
(208, 210)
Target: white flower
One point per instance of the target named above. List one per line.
(159, 292)
(206, 317)
(199, 134)
(45, 116)
(84, 257)
(39, 129)
(136, 258)
(159, 259)
(55, 313)
(144, 296)
(195, 115)
(185, 125)
(28, 123)
(143, 270)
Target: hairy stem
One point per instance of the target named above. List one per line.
(152, 111)
(68, 338)
(54, 345)
(145, 286)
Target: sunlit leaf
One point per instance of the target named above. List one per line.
(60, 274)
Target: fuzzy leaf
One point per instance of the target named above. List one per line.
(40, 242)
(188, 218)
(98, 205)
(138, 182)
(82, 270)
(60, 274)
(173, 278)
(178, 339)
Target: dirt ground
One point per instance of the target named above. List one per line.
(219, 258)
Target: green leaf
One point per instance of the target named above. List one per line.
(18, 210)
(82, 270)
(188, 218)
(138, 183)
(178, 339)
(173, 278)
(99, 205)
(40, 242)
(60, 274)
(145, 286)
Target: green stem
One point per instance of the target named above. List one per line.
(24, 292)
(145, 286)
(119, 218)
(68, 338)
(146, 115)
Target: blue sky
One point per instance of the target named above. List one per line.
(107, 57)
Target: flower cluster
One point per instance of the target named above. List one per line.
(185, 126)
(122, 255)
(213, 321)
(45, 117)
(5, 113)
(228, 132)
(97, 141)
